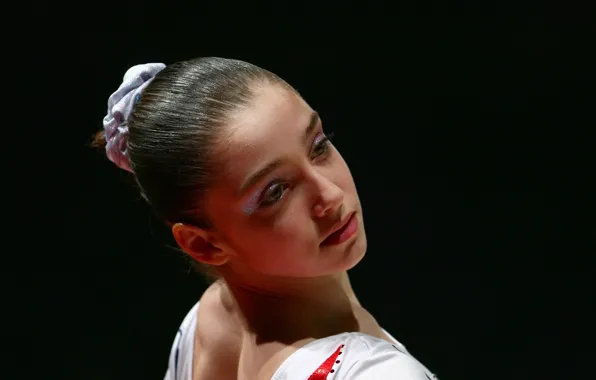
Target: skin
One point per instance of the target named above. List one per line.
(278, 282)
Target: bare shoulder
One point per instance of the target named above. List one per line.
(215, 321)
(217, 339)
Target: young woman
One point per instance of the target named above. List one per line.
(238, 165)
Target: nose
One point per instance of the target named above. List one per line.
(329, 198)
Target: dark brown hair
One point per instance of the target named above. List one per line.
(175, 126)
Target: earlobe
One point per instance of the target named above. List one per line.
(197, 243)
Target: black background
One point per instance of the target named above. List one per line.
(467, 129)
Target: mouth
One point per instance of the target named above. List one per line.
(342, 231)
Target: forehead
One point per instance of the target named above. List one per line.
(264, 130)
(274, 110)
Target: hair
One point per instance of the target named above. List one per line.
(175, 126)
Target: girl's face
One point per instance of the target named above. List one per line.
(283, 188)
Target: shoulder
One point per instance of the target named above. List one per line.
(383, 360)
(217, 324)
(217, 340)
(204, 341)
(353, 356)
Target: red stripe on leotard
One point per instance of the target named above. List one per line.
(324, 369)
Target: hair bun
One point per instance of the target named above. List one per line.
(120, 105)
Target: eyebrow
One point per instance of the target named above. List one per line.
(256, 177)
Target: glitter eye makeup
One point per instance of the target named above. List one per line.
(253, 203)
(260, 198)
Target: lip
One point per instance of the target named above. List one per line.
(339, 225)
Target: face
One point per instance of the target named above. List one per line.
(282, 189)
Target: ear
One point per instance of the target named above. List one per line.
(199, 244)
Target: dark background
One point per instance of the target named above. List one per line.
(468, 132)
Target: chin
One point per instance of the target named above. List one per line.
(359, 250)
(354, 251)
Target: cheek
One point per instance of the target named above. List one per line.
(290, 229)
(288, 239)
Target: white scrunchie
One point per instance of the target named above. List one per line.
(120, 105)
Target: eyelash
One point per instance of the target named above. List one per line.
(325, 143)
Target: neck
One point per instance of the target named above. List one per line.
(291, 309)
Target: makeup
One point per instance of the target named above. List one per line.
(252, 204)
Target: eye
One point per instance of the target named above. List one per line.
(273, 194)
(321, 146)
(275, 191)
